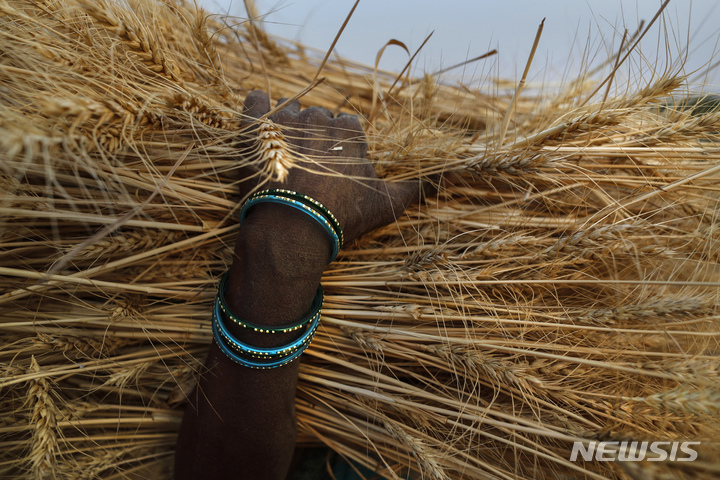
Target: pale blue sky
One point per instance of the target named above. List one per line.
(467, 28)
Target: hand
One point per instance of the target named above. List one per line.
(241, 422)
(329, 165)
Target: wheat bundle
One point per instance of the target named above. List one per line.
(561, 287)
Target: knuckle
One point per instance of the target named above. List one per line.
(315, 115)
(349, 127)
(255, 99)
(349, 120)
(283, 117)
(255, 94)
(293, 106)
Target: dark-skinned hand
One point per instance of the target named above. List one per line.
(330, 166)
(240, 422)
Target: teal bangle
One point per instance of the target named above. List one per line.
(264, 352)
(249, 356)
(314, 309)
(305, 204)
(235, 357)
(312, 203)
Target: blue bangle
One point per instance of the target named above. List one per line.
(232, 355)
(310, 209)
(312, 203)
(249, 356)
(249, 350)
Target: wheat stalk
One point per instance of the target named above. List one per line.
(137, 38)
(44, 418)
(562, 287)
(273, 150)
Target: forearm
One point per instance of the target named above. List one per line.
(248, 431)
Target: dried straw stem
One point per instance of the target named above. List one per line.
(561, 286)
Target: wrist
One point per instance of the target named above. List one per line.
(283, 243)
(279, 258)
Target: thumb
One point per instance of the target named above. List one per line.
(398, 196)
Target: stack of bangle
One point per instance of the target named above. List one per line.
(305, 204)
(256, 357)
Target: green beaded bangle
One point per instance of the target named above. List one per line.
(256, 357)
(268, 354)
(250, 363)
(314, 309)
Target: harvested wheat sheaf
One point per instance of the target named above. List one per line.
(560, 286)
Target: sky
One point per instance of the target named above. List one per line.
(575, 34)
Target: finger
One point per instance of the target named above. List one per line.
(399, 196)
(257, 104)
(292, 107)
(315, 124)
(288, 118)
(432, 185)
(316, 116)
(345, 114)
(347, 129)
(325, 111)
(348, 126)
